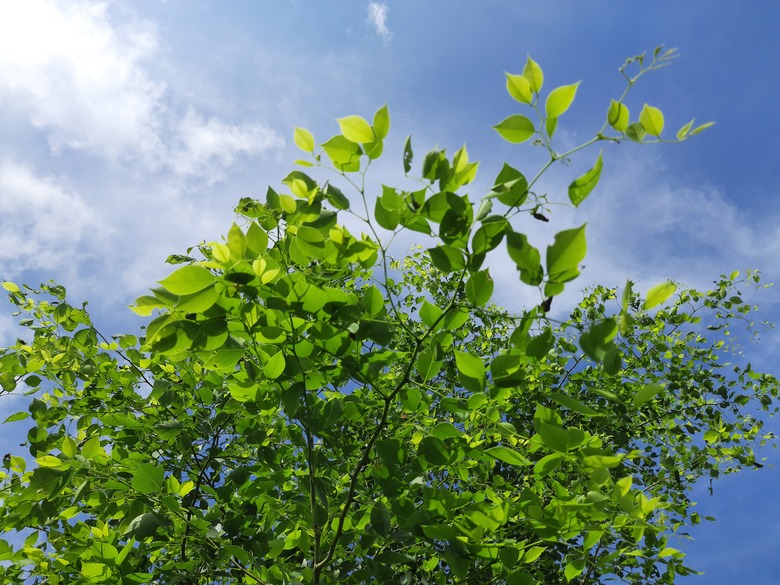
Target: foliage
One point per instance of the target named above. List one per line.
(302, 408)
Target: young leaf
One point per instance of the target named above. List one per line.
(635, 132)
(652, 120)
(479, 288)
(618, 116)
(566, 252)
(382, 122)
(356, 129)
(515, 129)
(580, 188)
(646, 393)
(508, 455)
(533, 73)
(303, 139)
(701, 128)
(470, 365)
(659, 293)
(683, 132)
(344, 153)
(519, 88)
(187, 280)
(560, 99)
(148, 478)
(408, 155)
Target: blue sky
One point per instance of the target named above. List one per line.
(129, 129)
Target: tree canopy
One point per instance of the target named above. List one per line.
(301, 407)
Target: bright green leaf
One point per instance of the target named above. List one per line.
(303, 139)
(565, 254)
(581, 187)
(560, 99)
(519, 88)
(382, 122)
(618, 116)
(187, 280)
(647, 393)
(658, 294)
(515, 129)
(356, 129)
(533, 73)
(148, 478)
(652, 120)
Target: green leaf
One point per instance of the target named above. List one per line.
(582, 187)
(148, 478)
(430, 314)
(471, 371)
(510, 186)
(408, 155)
(647, 393)
(469, 365)
(187, 280)
(447, 258)
(303, 139)
(554, 437)
(336, 198)
(635, 132)
(565, 254)
(52, 462)
(652, 120)
(540, 345)
(256, 239)
(489, 235)
(380, 518)
(508, 455)
(275, 365)
(602, 461)
(546, 465)
(343, 153)
(573, 569)
(198, 302)
(356, 129)
(701, 128)
(446, 430)
(434, 451)
(519, 88)
(17, 416)
(658, 294)
(618, 116)
(526, 257)
(479, 288)
(533, 73)
(146, 525)
(596, 341)
(560, 99)
(573, 404)
(515, 129)
(382, 122)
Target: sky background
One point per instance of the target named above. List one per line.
(130, 129)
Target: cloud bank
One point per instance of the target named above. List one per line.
(377, 18)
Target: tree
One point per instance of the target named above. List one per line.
(302, 408)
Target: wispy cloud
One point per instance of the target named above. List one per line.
(377, 18)
(43, 222)
(87, 84)
(208, 146)
(81, 81)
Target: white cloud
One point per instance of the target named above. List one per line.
(81, 80)
(91, 85)
(43, 223)
(208, 146)
(377, 17)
